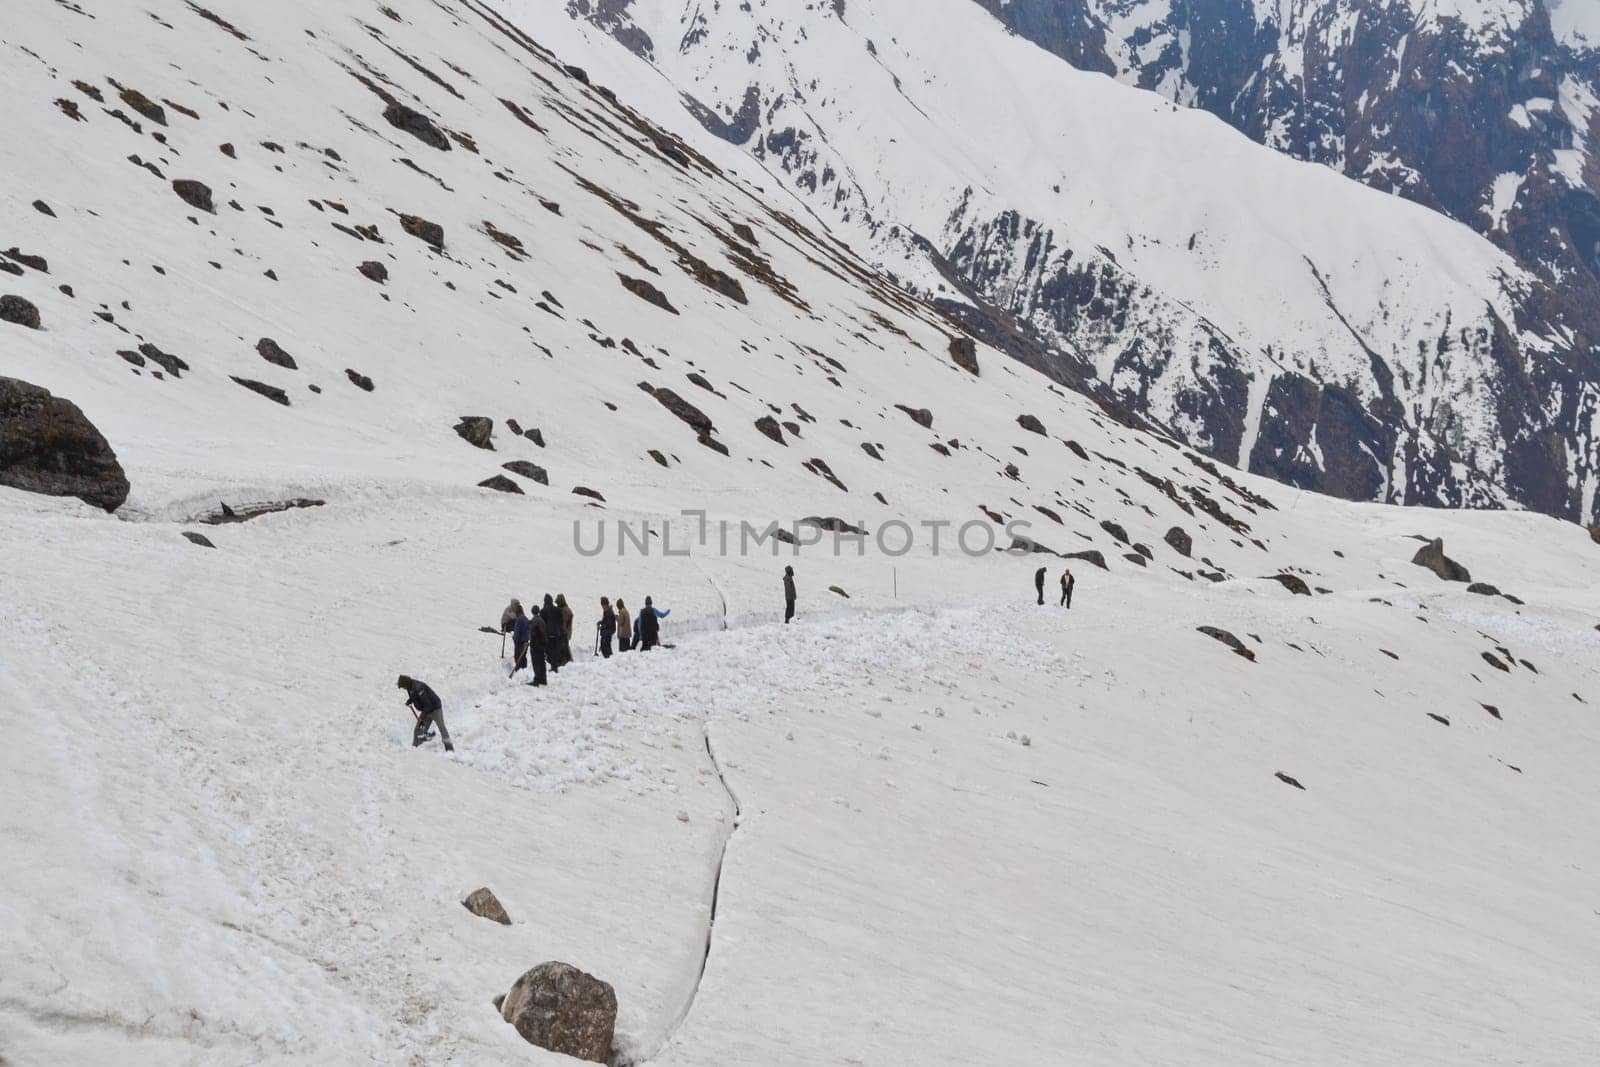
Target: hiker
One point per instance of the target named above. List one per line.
(1038, 583)
(425, 704)
(608, 628)
(538, 642)
(788, 594)
(566, 628)
(649, 625)
(553, 632)
(508, 619)
(624, 627)
(1067, 582)
(521, 632)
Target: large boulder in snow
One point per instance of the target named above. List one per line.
(560, 1008)
(477, 431)
(15, 309)
(48, 446)
(964, 354)
(1431, 556)
(1179, 540)
(485, 905)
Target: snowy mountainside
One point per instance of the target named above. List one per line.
(880, 835)
(1365, 348)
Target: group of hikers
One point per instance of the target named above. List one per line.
(546, 634)
(1067, 582)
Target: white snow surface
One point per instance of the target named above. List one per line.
(970, 829)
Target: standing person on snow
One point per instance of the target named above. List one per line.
(1038, 583)
(508, 619)
(424, 702)
(788, 594)
(1067, 582)
(553, 633)
(624, 627)
(537, 644)
(520, 634)
(607, 626)
(650, 625)
(566, 628)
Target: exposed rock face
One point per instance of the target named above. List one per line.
(646, 292)
(417, 125)
(423, 230)
(374, 271)
(1179, 540)
(1431, 556)
(196, 194)
(1293, 583)
(921, 416)
(769, 426)
(1228, 639)
(16, 310)
(271, 392)
(485, 905)
(48, 446)
(269, 350)
(477, 431)
(359, 380)
(501, 484)
(964, 353)
(560, 1008)
(1031, 424)
(531, 471)
(1092, 555)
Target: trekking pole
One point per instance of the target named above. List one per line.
(502, 644)
(597, 639)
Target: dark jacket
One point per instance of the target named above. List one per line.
(520, 630)
(1038, 578)
(788, 587)
(551, 615)
(608, 623)
(649, 624)
(566, 615)
(421, 696)
(537, 634)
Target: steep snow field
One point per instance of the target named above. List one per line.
(217, 846)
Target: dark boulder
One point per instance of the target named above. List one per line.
(1115, 530)
(646, 292)
(1228, 639)
(375, 271)
(531, 471)
(198, 539)
(48, 446)
(15, 309)
(964, 353)
(271, 392)
(1295, 585)
(1483, 589)
(838, 591)
(558, 1007)
(1431, 556)
(501, 484)
(1031, 424)
(485, 905)
(921, 416)
(173, 365)
(194, 193)
(1179, 541)
(832, 524)
(769, 426)
(359, 380)
(477, 431)
(269, 350)
(145, 106)
(1289, 780)
(1090, 556)
(592, 494)
(698, 420)
(423, 230)
(417, 125)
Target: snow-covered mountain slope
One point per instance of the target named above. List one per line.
(1270, 314)
(218, 847)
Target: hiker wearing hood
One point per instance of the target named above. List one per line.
(508, 617)
(1038, 583)
(1067, 582)
(607, 627)
(554, 633)
(537, 643)
(521, 633)
(566, 627)
(649, 625)
(788, 594)
(425, 704)
(624, 627)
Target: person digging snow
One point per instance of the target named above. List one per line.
(425, 704)
(788, 594)
(1038, 583)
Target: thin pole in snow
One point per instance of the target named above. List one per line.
(896, 571)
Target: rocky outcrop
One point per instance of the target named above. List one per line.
(477, 431)
(15, 309)
(1031, 424)
(1431, 556)
(485, 905)
(1179, 541)
(359, 380)
(769, 426)
(1293, 583)
(417, 125)
(501, 484)
(196, 194)
(271, 392)
(964, 354)
(374, 271)
(560, 1008)
(1228, 639)
(48, 446)
(531, 471)
(269, 350)
(921, 416)
(431, 233)
(646, 292)
(1091, 556)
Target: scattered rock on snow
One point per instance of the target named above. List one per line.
(1294, 584)
(531, 471)
(921, 416)
(417, 125)
(359, 380)
(199, 539)
(15, 309)
(269, 350)
(501, 484)
(423, 230)
(1228, 639)
(271, 392)
(1179, 540)
(1483, 589)
(646, 292)
(375, 271)
(584, 490)
(196, 194)
(558, 1007)
(1031, 424)
(477, 431)
(1090, 556)
(486, 905)
(840, 592)
(769, 426)
(48, 446)
(1287, 780)
(1431, 556)
(964, 353)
